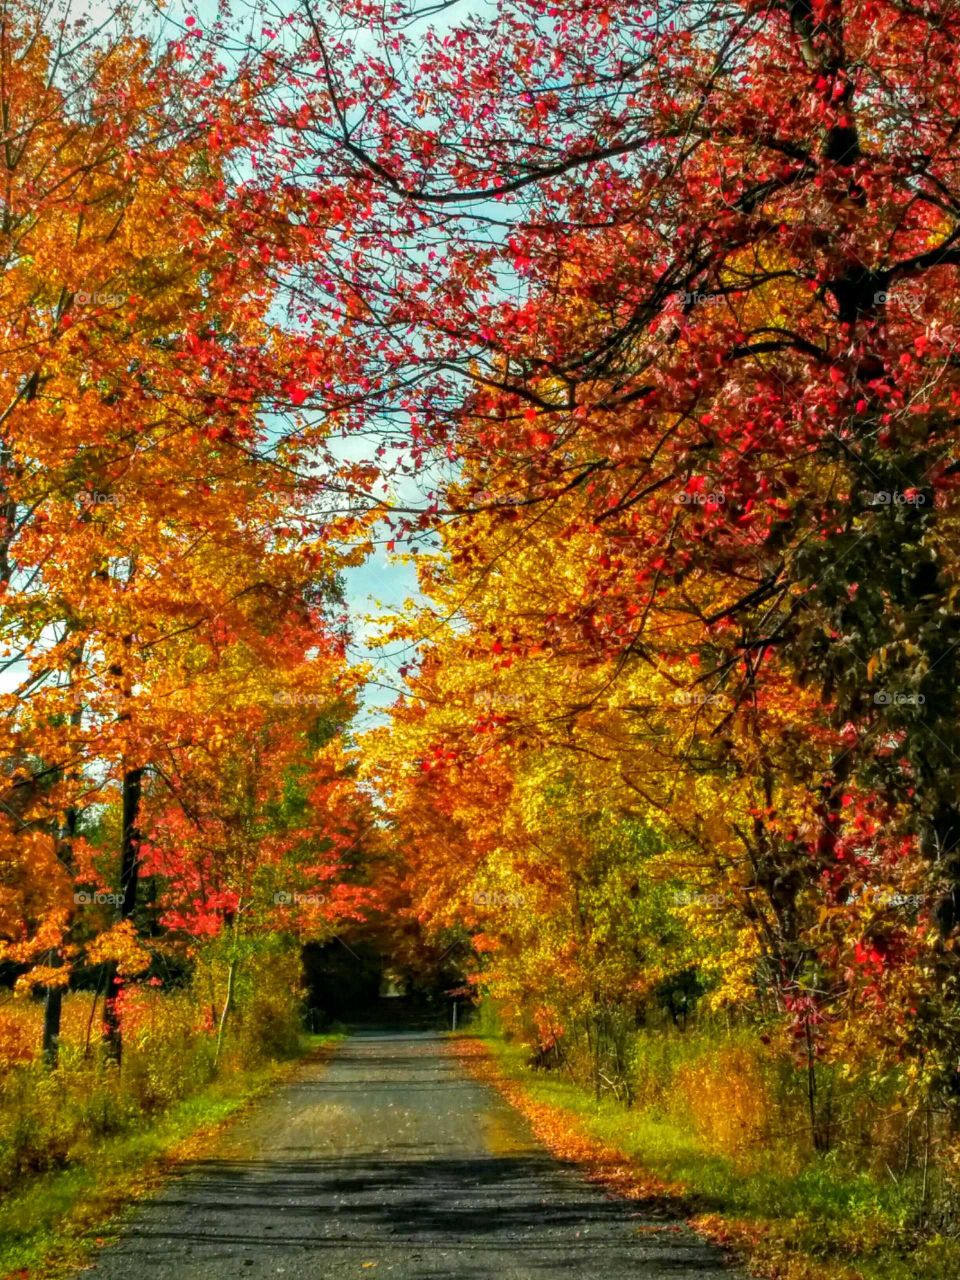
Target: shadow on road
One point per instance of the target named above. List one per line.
(390, 1161)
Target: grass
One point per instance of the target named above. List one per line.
(57, 1220)
(819, 1220)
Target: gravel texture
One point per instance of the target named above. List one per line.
(388, 1160)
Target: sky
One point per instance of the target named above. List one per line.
(384, 582)
(374, 588)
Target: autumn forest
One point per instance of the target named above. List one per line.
(626, 343)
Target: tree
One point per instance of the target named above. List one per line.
(620, 261)
(163, 510)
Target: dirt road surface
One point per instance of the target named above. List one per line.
(389, 1160)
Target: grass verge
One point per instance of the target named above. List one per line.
(57, 1221)
(820, 1223)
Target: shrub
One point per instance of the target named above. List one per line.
(725, 1094)
(51, 1119)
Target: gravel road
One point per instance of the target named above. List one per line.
(388, 1160)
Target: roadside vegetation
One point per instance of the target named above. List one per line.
(78, 1143)
(716, 1129)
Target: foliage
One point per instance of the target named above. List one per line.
(171, 612)
(55, 1120)
(790, 1218)
(656, 311)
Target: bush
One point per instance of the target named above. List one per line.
(51, 1119)
(725, 1094)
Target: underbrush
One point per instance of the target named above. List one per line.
(50, 1223)
(53, 1119)
(720, 1113)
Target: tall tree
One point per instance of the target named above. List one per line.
(165, 500)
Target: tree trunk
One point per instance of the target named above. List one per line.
(52, 1013)
(129, 874)
(227, 1006)
(53, 997)
(817, 1134)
